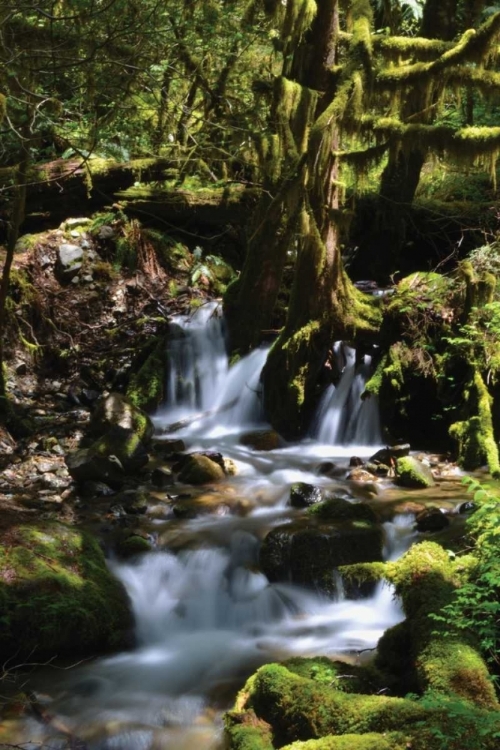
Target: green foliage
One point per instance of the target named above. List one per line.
(475, 609)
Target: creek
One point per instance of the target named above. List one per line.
(206, 617)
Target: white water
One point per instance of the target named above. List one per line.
(206, 617)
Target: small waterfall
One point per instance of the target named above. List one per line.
(343, 418)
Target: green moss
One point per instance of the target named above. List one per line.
(244, 731)
(412, 473)
(371, 741)
(56, 595)
(146, 388)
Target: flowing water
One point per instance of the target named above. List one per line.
(206, 617)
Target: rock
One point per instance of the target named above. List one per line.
(431, 519)
(199, 469)
(384, 455)
(468, 507)
(92, 488)
(307, 553)
(52, 482)
(106, 232)
(162, 477)
(355, 461)
(134, 502)
(379, 469)
(88, 397)
(133, 545)
(229, 467)
(303, 495)
(68, 263)
(361, 475)
(115, 410)
(261, 440)
(56, 587)
(168, 447)
(43, 467)
(21, 368)
(76, 222)
(126, 445)
(412, 473)
(86, 465)
(329, 469)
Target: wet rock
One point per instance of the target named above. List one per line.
(361, 475)
(390, 454)
(412, 473)
(329, 469)
(468, 507)
(134, 502)
(379, 469)
(302, 495)
(308, 554)
(168, 447)
(261, 440)
(339, 509)
(431, 519)
(355, 461)
(229, 467)
(162, 477)
(133, 545)
(199, 469)
(86, 465)
(68, 263)
(92, 488)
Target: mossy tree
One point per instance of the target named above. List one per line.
(341, 99)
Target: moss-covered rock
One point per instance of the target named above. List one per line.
(57, 596)
(86, 465)
(244, 731)
(126, 445)
(307, 552)
(116, 411)
(412, 473)
(131, 545)
(200, 469)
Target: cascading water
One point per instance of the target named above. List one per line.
(206, 617)
(343, 417)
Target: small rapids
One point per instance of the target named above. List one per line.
(206, 616)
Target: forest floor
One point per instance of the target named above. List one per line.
(71, 338)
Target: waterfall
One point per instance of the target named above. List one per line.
(343, 418)
(229, 399)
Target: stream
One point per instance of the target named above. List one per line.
(206, 617)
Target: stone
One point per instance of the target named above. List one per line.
(115, 410)
(431, 519)
(92, 488)
(168, 447)
(384, 455)
(52, 482)
(261, 440)
(199, 469)
(125, 445)
(162, 477)
(68, 263)
(86, 465)
(106, 232)
(302, 495)
(412, 473)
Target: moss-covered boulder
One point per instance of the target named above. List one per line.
(340, 509)
(116, 411)
(200, 469)
(129, 545)
(412, 473)
(370, 741)
(146, 387)
(126, 445)
(86, 465)
(308, 551)
(57, 596)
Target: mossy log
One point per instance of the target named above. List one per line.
(299, 709)
(67, 187)
(446, 662)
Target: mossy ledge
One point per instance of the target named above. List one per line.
(57, 596)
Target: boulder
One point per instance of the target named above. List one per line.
(126, 445)
(134, 544)
(85, 465)
(393, 452)
(57, 596)
(261, 440)
(68, 263)
(431, 519)
(199, 469)
(162, 477)
(339, 509)
(307, 553)
(116, 411)
(412, 473)
(303, 495)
